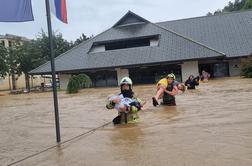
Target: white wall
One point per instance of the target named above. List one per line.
(154, 42)
(6, 83)
(121, 73)
(188, 68)
(234, 67)
(64, 79)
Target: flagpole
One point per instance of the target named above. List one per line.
(55, 98)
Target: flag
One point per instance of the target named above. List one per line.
(58, 8)
(15, 11)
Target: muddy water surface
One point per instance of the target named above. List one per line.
(211, 125)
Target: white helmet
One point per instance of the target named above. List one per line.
(126, 80)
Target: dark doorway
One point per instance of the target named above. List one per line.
(103, 78)
(221, 70)
(215, 69)
(152, 74)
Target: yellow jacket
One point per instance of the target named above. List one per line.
(163, 82)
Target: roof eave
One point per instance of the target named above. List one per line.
(127, 66)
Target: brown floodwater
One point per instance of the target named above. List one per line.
(211, 125)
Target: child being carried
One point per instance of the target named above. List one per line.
(123, 104)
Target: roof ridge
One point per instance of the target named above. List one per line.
(190, 39)
(217, 15)
(128, 13)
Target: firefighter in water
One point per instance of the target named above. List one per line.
(125, 103)
(167, 88)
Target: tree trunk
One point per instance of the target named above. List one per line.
(27, 82)
(14, 87)
(9, 81)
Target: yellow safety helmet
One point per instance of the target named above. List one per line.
(126, 80)
(171, 76)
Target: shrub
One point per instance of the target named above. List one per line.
(73, 85)
(84, 80)
(78, 82)
(246, 70)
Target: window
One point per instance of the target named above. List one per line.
(127, 44)
(10, 43)
(144, 41)
(2, 43)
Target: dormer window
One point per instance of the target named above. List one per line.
(144, 41)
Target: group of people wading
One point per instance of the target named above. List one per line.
(128, 105)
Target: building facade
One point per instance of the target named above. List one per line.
(147, 51)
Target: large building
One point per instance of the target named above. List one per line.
(145, 51)
(8, 40)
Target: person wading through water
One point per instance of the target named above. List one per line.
(192, 81)
(167, 88)
(125, 103)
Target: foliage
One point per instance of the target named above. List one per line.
(11, 59)
(60, 45)
(237, 5)
(12, 63)
(23, 58)
(246, 70)
(248, 4)
(79, 40)
(3, 65)
(78, 82)
(73, 85)
(28, 58)
(84, 80)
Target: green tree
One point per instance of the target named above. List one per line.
(60, 45)
(12, 63)
(78, 82)
(29, 57)
(84, 81)
(248, 4)
(217, 12)
(3, 65)
(246, 70)
(237, 5)
(73, 85)
(79, 40)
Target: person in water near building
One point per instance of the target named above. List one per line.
(204, 76)
(125, 103)
(191, 82)
(167, 88)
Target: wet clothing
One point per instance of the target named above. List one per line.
(167, 98)
(205, 76)
(163, 82)
(127, 93)
(133, 105)
(125, 101)
(191, 83)
(124, 118)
